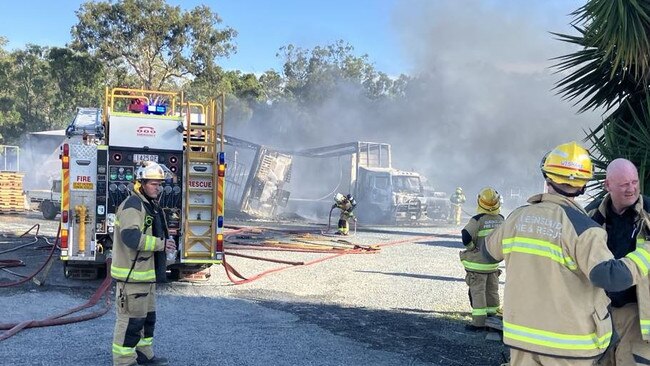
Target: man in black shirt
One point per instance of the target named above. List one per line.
(619, 212)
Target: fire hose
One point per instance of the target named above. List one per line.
(230, 271)
(49, 258)
(329, 224)
(62, 318)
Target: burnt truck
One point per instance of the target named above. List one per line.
(256, 178)
(384, 195)
(438, 204)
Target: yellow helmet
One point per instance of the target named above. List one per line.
(149, 170)
(489, 200)
(568, 164)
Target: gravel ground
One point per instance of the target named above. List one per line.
(404, 305)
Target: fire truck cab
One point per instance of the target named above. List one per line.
(98, 160)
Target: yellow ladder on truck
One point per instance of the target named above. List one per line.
(203, 207)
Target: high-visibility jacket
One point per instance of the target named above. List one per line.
(134, 243)
(346, 208)
(556, 259)
(457, 198)
(474, 234)
(639, 234)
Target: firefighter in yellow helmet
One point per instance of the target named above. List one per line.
(457, 199)
(346, 204)
(139, 243)
(482, 275)
(557, 263)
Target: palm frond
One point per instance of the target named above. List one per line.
(619, 28)
(625, 134)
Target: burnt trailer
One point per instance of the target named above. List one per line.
(256, 178)
(385, 195)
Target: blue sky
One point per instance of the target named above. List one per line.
(374, 27)
(263, 27)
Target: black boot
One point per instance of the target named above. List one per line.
(143, 360)
(474, 328)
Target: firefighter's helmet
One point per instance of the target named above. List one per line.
(149, 170)
(339, 198)
(489, 199)
(459, 190)
(569, 164)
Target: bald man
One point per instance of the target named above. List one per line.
(619, 212)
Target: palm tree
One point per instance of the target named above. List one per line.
(611, 72)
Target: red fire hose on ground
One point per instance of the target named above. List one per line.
(230, 271)
(16, 262)
(62, 318)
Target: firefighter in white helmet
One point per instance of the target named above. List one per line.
(139, 243)
(482, 275)
(457, 199)
(557, 263)
(346, 204)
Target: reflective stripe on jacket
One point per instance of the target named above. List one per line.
(478, 228)
(133, 237)
(599, 213)
(550, 305)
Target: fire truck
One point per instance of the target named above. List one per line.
(98, 160)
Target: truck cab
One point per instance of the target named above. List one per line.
(387, 195)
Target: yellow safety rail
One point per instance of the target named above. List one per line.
(111, 96)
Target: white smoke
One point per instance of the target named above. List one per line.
(481, 110)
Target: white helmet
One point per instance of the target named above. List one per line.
(149, 170)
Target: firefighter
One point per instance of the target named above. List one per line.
(457, 199)
(346, 204)
(555, 310)
(621, 213)
(482, 276)
(139, 243)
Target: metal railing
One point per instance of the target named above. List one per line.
(9, 158)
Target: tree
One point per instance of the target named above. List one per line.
(78, 78)
(156, 42)
(311, 75)
(611, 71)
(9, 116)
(272, 85)
(33, 90)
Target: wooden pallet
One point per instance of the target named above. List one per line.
(10, 176)
(11, 196)
(9, 193)
(5, 202)
(11, 212)
(13, 206)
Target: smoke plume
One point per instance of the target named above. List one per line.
(479, 111)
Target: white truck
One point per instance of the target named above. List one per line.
(48, 201)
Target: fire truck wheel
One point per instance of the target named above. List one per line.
(174, 274)
(48, 210)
